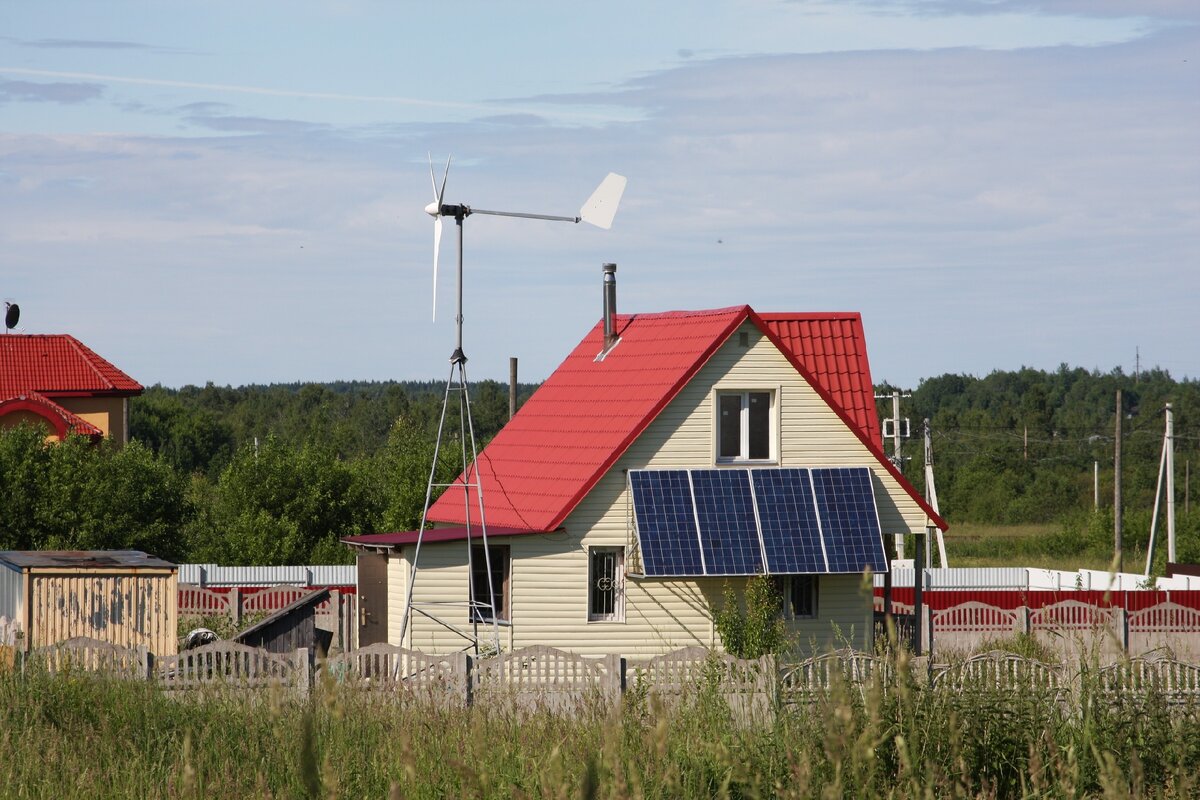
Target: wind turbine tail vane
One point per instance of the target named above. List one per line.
(601, 207)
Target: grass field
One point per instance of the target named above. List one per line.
(83, 736)
(1048, 546)
(80, 736)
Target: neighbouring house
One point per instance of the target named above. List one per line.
(124, 597)
(54, 380)
(676, 453)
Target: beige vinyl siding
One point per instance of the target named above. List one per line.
(549, 573)
(844, 616)
(397, 575)
(442, 577)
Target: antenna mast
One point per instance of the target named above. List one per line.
(599, 210)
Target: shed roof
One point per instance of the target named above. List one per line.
(58, 364)
(589, 411)
(83, 559)
(310, 599)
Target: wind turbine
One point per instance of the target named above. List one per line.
(598, 210)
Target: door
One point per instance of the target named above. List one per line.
(372, 599)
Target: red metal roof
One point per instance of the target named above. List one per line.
(434, 535)
(587, 413)
(58, 364)
(833, 349)
(64, 421)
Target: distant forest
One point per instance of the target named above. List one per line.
(277, 474)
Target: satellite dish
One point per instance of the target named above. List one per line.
(12, 313)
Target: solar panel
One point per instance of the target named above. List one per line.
(666, 522)
(849, 521)
(778, 521)
(728, 529)
(787, 517)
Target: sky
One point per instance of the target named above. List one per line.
(234, 192)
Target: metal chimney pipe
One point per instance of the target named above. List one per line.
(610, 305)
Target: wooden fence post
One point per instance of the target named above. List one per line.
(926, 630)
(466, 666)
(144, 659)
(1120, 625)
(235, 607)
(302, 672)
(614, 676)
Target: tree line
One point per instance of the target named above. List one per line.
(278, 474)
(1031, 446)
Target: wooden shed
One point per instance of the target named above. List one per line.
(125, 597)
(291, 628)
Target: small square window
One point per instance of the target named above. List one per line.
(501, 575)
(798, 594)
(606, 584)
(744, 426)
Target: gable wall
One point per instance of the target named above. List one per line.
(106, 413)
(549, 579)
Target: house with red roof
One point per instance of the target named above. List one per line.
(56, 381)
(669, 455)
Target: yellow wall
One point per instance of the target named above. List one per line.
(15, 418)
(106, 413)
(549, 578)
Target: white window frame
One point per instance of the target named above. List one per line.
(618, 612)
(774, 415)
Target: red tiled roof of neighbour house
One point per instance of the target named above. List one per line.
(588, 412)
(61, 419)
(833, 349)
(58, 364)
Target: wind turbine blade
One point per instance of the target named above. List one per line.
(601, 207)
(437, 198)
(446, 174)
(437, 246)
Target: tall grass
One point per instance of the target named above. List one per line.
(79, 735)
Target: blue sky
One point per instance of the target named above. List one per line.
(233, 192)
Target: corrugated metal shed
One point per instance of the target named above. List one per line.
(210, 575)
(125, 597)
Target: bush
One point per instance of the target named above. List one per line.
(757, 631)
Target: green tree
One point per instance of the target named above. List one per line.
(280, 505)
(82, 496)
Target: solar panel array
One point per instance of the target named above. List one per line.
(778, 521)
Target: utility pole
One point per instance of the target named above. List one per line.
(1117, 488)
(1169, 452)
(1095, 485)
(512, 387)
(897, 454)
(1166, 470)
(931, 498)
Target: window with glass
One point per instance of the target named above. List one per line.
(802, 596)
(606, 587)
(501, 574)
(744, 422)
